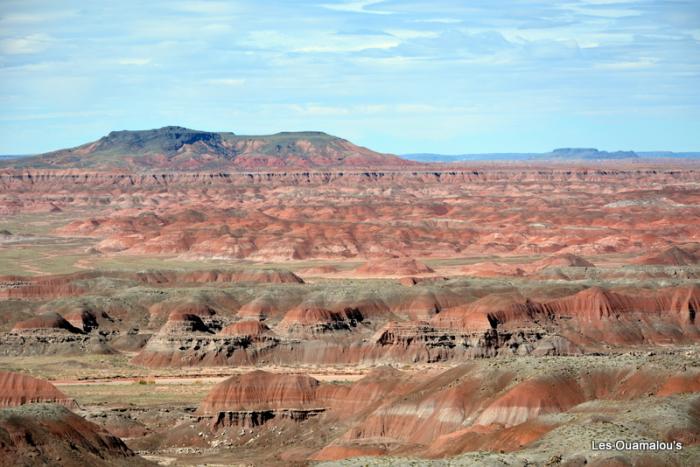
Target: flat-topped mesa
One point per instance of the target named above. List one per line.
(181, 149)
(19, 388)
(261, 390)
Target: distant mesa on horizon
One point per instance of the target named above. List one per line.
(560, 154)
(183, 149)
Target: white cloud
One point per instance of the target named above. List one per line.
(134, 61)
(203, 7)
(584, 38)
(56, 115)
(33, 18)
(357, 7)
(631, 65)
(606, 2)
(438, 20)
(320, 42)
(406, 34)
(601, 9)
(320, 110)
(30, 44)
(227, 81)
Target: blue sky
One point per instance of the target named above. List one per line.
(396, 76)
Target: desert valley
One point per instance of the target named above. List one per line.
(182, 297)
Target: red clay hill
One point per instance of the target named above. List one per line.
(175, 148)
(19, 388)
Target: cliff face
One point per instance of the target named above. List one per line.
(46, 177)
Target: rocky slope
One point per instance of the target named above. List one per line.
(42, 434)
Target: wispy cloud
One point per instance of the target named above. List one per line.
(438, 20)
(30, 44)
(134, 61)
(628, 65)
(361, 6)
(204, 7)
(36, 17)
(321, 42)
(233, 82)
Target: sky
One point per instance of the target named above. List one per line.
(408, 76)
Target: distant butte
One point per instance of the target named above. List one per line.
(182, 149)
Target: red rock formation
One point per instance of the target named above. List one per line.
(259, 309)
(53, 435)
(324, 269)
(82, 319)
(67, 285)
(18, 388)
(335, 452)
(411, 281)
(673, 256)
(349, 401)
(260, 390)
(678, 384)
(49, 321)
(311, 321)
(491, 269)
(245, 328)
(531, 399)
(490, 312)
(489, 438)
(183, 149)
(394, 267)
(566, 260)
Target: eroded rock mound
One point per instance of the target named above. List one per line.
(531, 399)
(673, 256)
(43, 434)
(261, 390)
(246, 328)
(18, 389)
(394, 267)
(50, 321)
(566, 260)
(312, 321)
